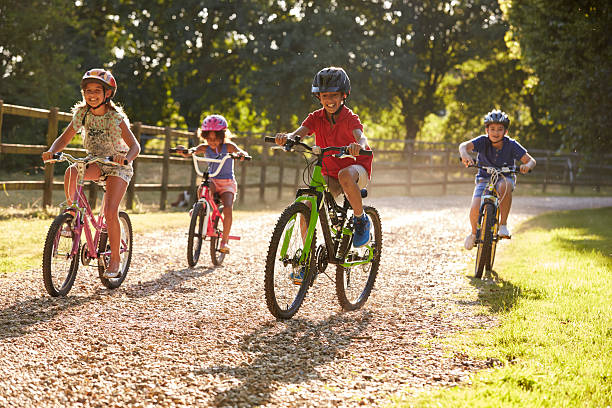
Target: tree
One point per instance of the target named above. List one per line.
(568, 47)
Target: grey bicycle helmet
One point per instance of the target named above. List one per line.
(331, 79)
(497, 116)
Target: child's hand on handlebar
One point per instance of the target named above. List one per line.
(281, 138)
(119, 158)
(48, 155)
(183, 151)
(353, 149)
(524, 169)
(467, 161)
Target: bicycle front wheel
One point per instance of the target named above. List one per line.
(288, 273)
(125, 251)
(215, 242)
(196, 233)
(354, 284)
(59, 264)
(485, 240)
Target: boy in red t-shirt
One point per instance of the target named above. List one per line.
(336, 125)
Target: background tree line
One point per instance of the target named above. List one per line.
(420, 70)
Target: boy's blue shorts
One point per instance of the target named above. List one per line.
(481, 183)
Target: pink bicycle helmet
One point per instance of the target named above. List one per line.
(214, 123)
(100, 75)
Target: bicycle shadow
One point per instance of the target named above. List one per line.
(16, 319)
(500, 295)
(289, 356)
(171, 280)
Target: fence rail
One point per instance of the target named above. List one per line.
(404, 166)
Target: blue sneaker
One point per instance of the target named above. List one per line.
(362, 231)
(298, 276)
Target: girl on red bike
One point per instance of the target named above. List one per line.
(217, 137)
(106, 132)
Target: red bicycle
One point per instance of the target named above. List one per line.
(63, 248)
(207, 212)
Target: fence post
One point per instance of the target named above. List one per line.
(243, 176)
(1, 115)
(410, 158)
(51, 135)
(129, 199)
(281, 171)
(165, 169)
(446, 165)
(546, 170)
(193, 189)
(262, 178)
(572, 174)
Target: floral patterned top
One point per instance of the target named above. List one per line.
(101, 134)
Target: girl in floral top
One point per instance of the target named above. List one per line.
(106, 132)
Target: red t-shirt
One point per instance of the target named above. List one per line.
(340, 134)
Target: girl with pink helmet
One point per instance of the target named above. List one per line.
(216, 135)
(106, 132)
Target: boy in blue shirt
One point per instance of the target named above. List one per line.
(494, 149)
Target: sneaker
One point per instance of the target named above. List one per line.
(66, 231)
(108, 274)
(298, 276)
(362, 231)
(470, 240)
(224, 249)
(503, 231)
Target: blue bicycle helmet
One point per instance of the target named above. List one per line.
(497, 116)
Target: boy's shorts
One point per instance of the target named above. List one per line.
(481, 183)
(225, 185)
(362, 182)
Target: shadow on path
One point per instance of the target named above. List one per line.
(171, 280)
(288, 356)
(500, 295)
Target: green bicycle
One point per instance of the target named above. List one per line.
(294, 260)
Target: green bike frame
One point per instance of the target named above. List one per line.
(315, 195)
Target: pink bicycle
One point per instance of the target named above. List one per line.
(207, 212)
(63, 249)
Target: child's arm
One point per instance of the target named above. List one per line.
(60, 143)
(528, 163)
(233, 148)
(129, 138)
(281, 138)
(361, 142)
(464, 150)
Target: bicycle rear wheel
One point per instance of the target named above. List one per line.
(59, 264)
(284, 291)
(215, 242)
(354, 284)
(125, 250)
(485, 240)
(196, 233)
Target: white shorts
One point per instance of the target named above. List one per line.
(362, 181)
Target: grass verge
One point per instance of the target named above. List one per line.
(22, 239)
(554, 340)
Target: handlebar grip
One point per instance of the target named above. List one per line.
(365, 152)
(269, 139)
(174, 150)
(110, 158)
(56, 156)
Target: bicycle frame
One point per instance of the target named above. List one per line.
(317, 193)
(83, 213)
(491, 195)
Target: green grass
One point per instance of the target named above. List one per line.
(552, 296)
(22, 239)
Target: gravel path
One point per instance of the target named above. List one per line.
(173, 336)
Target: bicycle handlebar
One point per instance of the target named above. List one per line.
(221, 162)
(490, 169)
(342, 150)
(59, 157)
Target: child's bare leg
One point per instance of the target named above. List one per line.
(227, 199)
(71, 176)
(474, 213)
(504, 190)
(348, 177)
(115, 189)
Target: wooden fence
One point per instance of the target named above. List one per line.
(396, 165)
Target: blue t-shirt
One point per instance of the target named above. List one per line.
(227, 172)
(491, 157)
